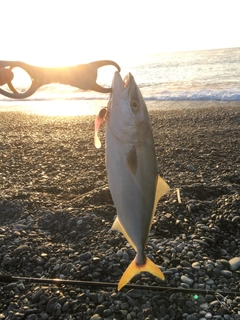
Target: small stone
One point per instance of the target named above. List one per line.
(56, 267)
(65, 306)
(234, 263)
(192, 317)
(96, 317)
(85, 256)
(216, 271)
(52, 305)
(113, 241)
(73, 233)
(146, 312)
(20, 249)
(210, 282)
(99, 310)
(124, 306)
(135, 293)
(209, 297)
(44, 316)
(6, 261)
(32, 317)
(36, 296)
(204, 306)
(18, 316)
(226, 273)
(21, 286)
(208, 315)
(185, 263)
(187, 280)
(191, 168)
(102, 295)
(189, 303)
(196, 265)
(107, 313)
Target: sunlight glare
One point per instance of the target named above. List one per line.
(21, 81)
(65, 108)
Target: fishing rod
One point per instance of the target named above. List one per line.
(82, 76)
(9, 279)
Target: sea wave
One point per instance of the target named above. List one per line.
(220, 95)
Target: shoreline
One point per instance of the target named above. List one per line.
(91, 107)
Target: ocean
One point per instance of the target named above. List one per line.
(193, 75)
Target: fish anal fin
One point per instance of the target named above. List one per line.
(118, 226)
(134, 269)
(161, 189)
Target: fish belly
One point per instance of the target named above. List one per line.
(133, 192)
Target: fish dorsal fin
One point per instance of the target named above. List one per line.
(161, 189)
(118, 226)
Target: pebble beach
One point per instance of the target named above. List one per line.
(56, 213)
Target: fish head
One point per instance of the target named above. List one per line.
(128, 117)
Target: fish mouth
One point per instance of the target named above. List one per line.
(127, 80)
(121, 86)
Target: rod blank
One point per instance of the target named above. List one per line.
(10, 279)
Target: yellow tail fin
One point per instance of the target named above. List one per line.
(134, 269)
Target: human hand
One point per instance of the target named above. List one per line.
(6, 75)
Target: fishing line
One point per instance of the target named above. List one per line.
(196, 292)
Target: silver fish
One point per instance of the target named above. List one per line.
(132, 174)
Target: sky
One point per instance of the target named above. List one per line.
(68, 32)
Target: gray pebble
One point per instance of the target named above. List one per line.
(6, 261)
(85, 256)
(191, 167)
(196, 265)
(51, 306)
(226, 273)
(20, 249)
(100, 308)
(36, 295)
(234, 263)
(135, 293)
(96, 317)
(187, 280)
(32, 317)
(18, 316)
(192, 317)
(208, 315)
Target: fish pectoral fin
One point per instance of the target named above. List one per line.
(131, 157)
(134, 269)
(118, 226)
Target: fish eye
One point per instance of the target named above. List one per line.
(134, 104)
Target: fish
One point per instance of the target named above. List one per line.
(133, 181)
